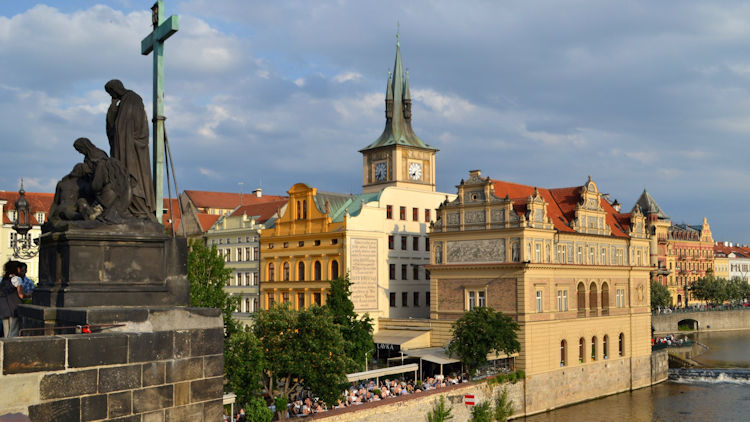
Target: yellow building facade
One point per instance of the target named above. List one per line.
(570, 269)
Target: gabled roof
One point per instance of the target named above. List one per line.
(226, 200)
(261, 211)
(206, 221)
(648, 206)
(38, 202)
(398, 130)
(562, 203)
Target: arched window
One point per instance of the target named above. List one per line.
(301, 271)
(286, 271)
(581, 299)
(621, 348)
(593, 348)
(304, 209)
(605, 346)
(592, 299)
(581, 349)
(299, 210)
(271, 272)
(316, 271)
(563, 353)
(605, 299)
(247, 305)
(334, 270)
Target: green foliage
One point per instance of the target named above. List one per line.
(208, 276)
(719, 290)
(439, 412)
(244, 361)
(281, 404)
(503, 407)
(481, 412)
(257, 411)
(660, 296)
(479, 332)
(357, 331)
(302, 347)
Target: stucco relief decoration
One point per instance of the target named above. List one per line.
(452, 218)
(497, 216)
(474, 196)
(539, 216)
(363, 273)
(640, 293)
(485, 250)
(473, 217)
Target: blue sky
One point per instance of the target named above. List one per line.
(636, 94)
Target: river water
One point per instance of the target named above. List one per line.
(715, 395)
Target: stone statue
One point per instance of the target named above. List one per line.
(127, 131)
(96, 190)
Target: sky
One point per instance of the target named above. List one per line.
(638, 95)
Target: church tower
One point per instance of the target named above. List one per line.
(398, 157)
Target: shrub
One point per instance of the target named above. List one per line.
(257, 410)
(439, 413)
(481, 412)
(503, 407)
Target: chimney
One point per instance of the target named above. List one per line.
(617, 206)
(258, 192)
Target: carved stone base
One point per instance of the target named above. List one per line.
(111, 266)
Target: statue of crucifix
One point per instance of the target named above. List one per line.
(163, 29)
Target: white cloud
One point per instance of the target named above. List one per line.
(347, 76)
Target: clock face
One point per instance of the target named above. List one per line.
(415, 171)
(381, 171)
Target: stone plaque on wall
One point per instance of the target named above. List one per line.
(363, 273)
(485, 250)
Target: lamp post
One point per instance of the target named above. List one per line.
(23, 248)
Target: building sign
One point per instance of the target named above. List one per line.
(388, 347)
(363, 273)
(469, 399)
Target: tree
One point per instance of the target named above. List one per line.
(503, 407)
(208, 276)
(710, 289)
(439, 412)
(302, 349)
(660, 296)
(257, 411)
(479, 332)
(244, 362)
(356, 330)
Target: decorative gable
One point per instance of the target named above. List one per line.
(590, 217)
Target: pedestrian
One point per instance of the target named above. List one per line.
(11, 293)
(27, 283)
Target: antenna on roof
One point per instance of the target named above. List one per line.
(242, 190)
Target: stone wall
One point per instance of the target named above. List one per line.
(659, 366)
(416, 406)
(712, 320)
(171, 369)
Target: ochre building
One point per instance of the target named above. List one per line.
(572, 270)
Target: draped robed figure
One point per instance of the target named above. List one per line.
(127, 131)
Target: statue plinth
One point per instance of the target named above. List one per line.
(112, 265)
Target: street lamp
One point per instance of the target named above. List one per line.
(23, 248)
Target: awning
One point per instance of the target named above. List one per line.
(432, 354)
(382, 372)
(401, 340)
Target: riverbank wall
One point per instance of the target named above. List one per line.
(702, 321)
(535, 394)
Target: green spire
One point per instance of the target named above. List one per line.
(398, 130)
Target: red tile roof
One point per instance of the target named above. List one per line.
(262, 211)
(206, 220)
(225, 200)
(743, 252)
(562, 203)
(38, 202)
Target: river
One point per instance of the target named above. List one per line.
(724, 395)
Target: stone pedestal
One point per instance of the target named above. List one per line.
(115, 265)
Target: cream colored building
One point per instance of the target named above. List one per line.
(39, 204)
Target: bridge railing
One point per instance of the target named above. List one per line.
(702, 308)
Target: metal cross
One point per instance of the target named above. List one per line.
(163, 29)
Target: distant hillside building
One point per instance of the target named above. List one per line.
(738, 260)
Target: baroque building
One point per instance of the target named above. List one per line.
(39, 205)
(566, 265)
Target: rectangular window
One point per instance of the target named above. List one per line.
(392, 271)
(579, 255)
(427, 216)
(392, 299)
(285, 297)
(13, 237)
(415, 272)
(476, 298)
(390, 242)
(301, 243)
(539, 301)
(415, 243)
(317, 243)
(538, 252)
(316, 298)
(481, 299)
(416, 299)
(389, 212)
(403, 243)
(603, 258)
(427, 299)
(402, 213)
(415, 214)
(270, 300)
(472, 300)
(300, 301)
(427, 244)
(403, 272)
(404, 299)
(562, 300)
(426, 274)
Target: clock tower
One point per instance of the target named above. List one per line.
(398, 157)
